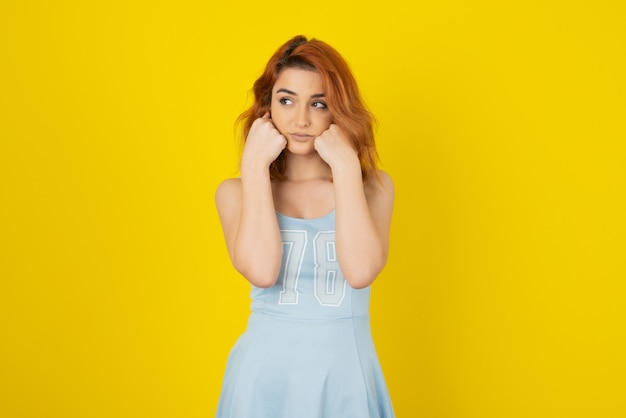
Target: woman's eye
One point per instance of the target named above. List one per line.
(285, 101)
(320, 105)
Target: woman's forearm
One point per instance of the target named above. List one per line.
(361, 250)
(257, 249)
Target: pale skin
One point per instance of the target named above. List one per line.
(322, 173)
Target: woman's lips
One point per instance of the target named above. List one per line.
(298, 136)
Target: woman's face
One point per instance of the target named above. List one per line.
(299, 109)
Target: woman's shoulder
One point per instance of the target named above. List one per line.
(230, 183)
(228, 190)
(385, 178)
(379, 188)
(379, 182)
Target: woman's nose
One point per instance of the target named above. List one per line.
(303, 117)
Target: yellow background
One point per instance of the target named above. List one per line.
(502, 123)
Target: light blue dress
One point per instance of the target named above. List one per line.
(308, 349)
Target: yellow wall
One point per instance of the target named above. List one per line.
(502, 123)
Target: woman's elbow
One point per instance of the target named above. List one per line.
(360, 283)
(262, 282)
(259, 277)
(259, 271)
(363, 276)
(361, 272)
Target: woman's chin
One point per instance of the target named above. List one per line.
(301, 148)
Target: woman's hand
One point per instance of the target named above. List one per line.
(263, 144)
(335, 149)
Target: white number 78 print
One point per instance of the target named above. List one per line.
(330, 285)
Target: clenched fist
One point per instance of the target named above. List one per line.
(334, 148)
(263, 144)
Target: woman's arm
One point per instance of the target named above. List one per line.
(363, 211)
(246, 208)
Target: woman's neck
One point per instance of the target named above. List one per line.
(306, 167)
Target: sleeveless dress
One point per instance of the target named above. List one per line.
(307, 351)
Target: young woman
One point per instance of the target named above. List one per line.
(307, 224)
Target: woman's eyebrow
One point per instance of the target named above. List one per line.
(313, 96)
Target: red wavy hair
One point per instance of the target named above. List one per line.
(342, 96)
